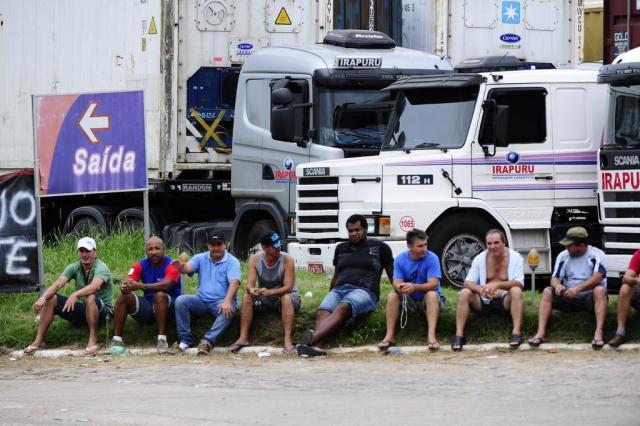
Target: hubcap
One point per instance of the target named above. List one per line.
(457, 256)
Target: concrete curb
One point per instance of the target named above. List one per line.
(266, 351)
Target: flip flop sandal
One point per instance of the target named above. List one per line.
(535, 342)
(236, 347)
(386, 344)
(31, 349)
(515, 341)
(288, 351)
(91, 350)
(597, 344)
(457, 343)
(433, 346)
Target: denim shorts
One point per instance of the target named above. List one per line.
(145, 311)
(78, 316)
(583, 301)
(360, 299)
(272, 303)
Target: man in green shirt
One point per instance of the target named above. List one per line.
(93, 283)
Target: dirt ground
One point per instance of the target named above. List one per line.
(469, 388)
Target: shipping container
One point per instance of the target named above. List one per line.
(593, 30)
(621, 24)
(379, 15)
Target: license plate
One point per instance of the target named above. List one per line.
(315, 268)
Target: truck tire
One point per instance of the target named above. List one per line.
(251, 244)
(132, 219)
(456, 242)
(86, 225)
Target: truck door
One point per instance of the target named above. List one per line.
(513, 163)
(280, 158)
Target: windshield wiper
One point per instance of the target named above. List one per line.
(426, 145)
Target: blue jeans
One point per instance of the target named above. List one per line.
(192, 304)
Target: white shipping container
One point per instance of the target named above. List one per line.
(548, 31)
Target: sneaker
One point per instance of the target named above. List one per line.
(162, 347)
(204, 347)
(306, 351)
(115, 343)
(176, 349)
(307, 337)
(617, 340)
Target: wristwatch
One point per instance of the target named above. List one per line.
(145, 287)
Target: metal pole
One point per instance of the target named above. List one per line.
(533, 287)
(36, 193)
(628, 25)
(145, 207)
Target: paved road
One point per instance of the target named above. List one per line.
(493, 387)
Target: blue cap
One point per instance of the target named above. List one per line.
(271, 239)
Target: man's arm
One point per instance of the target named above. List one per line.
(474, 287)
(287, 281)
(225, 308)
(631, 278)
(252, 276)
(169, 281)
(87, 290)
(183, 267)
(59, 283)
(430, 285)
(589, 284)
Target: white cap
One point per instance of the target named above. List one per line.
(87, 243)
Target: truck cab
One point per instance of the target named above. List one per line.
(465, 153)
(619, 162)
(297, 104)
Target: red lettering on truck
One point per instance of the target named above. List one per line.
(623, 181)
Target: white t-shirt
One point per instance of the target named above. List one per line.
(573, 271)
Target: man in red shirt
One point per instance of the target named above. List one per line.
(160, 282)
(629, 296)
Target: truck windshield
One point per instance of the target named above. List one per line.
(624, 117)
(431, 119)
(352, 118)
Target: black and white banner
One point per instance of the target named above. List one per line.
(18, 233)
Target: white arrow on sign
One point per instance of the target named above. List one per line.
(89, 123)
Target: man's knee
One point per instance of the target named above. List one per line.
(464, 296)
(625, 291)
(393, 298)
(515, 293)
(431, 297)
(160, 298)
(343, 309)
(286, 300)
(90, 299)
(599, 293)
(547, 294)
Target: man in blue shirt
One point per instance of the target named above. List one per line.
(218, 282)
(416, 284)
(579, 282)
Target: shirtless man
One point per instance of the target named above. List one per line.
(493, 285)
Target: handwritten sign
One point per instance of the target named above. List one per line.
(18, 233)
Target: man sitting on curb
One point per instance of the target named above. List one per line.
(276, 273)
(93, 285)
(160, 282)
(355, 286)
(493, 285)
(219, 278)
(579, 282)
(629, 296)
(416, 284)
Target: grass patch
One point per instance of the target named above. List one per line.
(121, 250)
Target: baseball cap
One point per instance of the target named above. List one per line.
(87, 243)
(271, 239)
(577, 234)
(217, 237)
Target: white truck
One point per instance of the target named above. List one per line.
(619, 162)
(186, 57)
(525, 29)
(464, 153)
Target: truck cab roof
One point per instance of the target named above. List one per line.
(504, 77)
(624, 70)
(304, 59)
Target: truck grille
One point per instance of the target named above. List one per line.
(622, 221)
(317, 207)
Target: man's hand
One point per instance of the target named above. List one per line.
(38, 305)
(225, 309)
(70, 304)
(130, 285)
(559, 290)
(257, 291)
(178, 264)
(490, 290)
(571, 293)
(407, 288)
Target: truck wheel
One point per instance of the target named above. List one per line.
(456, 243)
(86, 225)
(258, 229)
(132, 219)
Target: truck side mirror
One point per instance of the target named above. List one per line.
(501, 123)
(281, 97)
(282, 123)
